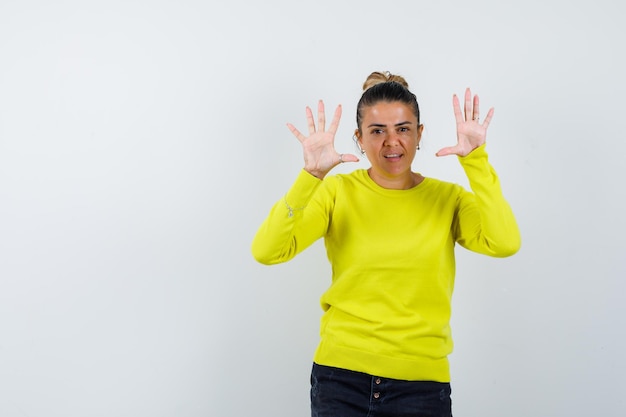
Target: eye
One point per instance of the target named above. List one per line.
(403, 129)
(377, 131)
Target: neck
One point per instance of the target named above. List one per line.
(403, 182)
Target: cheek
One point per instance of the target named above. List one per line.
(370, 143)
(410, 141)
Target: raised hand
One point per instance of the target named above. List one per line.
(470, 132)
(319, 151)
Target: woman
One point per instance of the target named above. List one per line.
(390, 235)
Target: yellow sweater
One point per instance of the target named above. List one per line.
(387, 310)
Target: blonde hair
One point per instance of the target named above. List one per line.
(377, 77)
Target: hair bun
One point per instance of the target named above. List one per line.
(377, 77)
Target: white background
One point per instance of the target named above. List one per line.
(143, 142)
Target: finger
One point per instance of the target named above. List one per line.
(309, 120)
(468, 104)
(450, 150)
(488, 118)
(321, 116)
(476, 111)
(348, 157)
(296, 132)
(334, 124)
(457, 109)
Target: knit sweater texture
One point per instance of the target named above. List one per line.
(387, 309)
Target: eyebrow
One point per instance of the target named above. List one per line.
(382, 125)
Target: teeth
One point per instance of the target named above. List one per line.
(393, 155)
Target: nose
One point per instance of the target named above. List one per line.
(392, 138)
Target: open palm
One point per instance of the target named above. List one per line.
(470, 132)
(319, 151)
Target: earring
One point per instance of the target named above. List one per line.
(418, 147)
(356, 141)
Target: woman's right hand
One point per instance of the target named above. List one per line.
(320, 155)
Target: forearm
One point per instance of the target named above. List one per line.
(487, 221)
(283, 233)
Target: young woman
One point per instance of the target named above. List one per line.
(390, 235)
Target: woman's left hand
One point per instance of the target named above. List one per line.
(470, 132)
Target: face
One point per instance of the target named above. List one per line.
(389, 136)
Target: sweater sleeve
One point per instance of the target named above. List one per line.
(293, 223)
(485, 222)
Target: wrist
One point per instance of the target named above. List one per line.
(319, 174)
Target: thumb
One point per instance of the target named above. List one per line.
(451, 150)
(348, 157)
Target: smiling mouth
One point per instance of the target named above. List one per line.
(393, 155)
